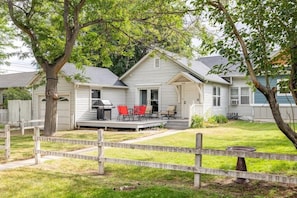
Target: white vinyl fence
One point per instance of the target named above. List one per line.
(3, 115)
(18, 110)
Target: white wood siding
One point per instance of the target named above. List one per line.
(64, 89)
(209, 109)
(244, 110)
(116, 96)
(146, 75)
(83, 106)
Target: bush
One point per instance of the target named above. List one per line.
(197, 121)
(220, 119)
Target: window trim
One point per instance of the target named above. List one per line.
(239, 96)
(91, 98)
(157, 62)
(216, 97)
(278, 93)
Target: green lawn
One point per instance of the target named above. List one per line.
(78, 178)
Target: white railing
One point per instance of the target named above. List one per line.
(195, 109)
(30, 124)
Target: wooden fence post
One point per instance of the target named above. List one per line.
(198, 160)
(7, 141)
(37, 144)
(23, 126)
(100, 152)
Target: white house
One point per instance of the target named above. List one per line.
(79, 91)
(162, 78)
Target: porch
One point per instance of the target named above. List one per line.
(136, 125)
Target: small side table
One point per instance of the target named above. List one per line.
(241, 165)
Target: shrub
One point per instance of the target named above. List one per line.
(197, 121)
(220, 119)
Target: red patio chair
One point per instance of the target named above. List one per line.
(139, 111)
(123, 112)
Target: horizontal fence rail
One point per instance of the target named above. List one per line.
(6, 136)
(197, 169)
(30, 124)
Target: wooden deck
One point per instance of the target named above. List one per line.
(137, 125)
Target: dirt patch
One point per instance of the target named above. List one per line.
(252, 188)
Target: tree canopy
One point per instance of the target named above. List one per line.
(89, 32)
(249, 33)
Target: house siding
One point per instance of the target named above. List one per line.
(260, 99)
(147, 76)
(64, 89)
(83, 106)
(209, 109)
(244, 111)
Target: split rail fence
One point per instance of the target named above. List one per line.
(6, 136)
(197, 169)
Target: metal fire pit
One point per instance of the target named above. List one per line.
(241, 165)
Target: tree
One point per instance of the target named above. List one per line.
(6, 36)
(62, 31)
(249, 33)
(16, 94)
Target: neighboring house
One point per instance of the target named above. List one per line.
(78, 98)
(240, 93)
(17, 80)
(249, 104)
(162, 78)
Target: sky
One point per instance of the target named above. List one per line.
(18, 65)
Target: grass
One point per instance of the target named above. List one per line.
(78, 178)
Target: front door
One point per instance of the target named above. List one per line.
(150, 96)
(189, 96)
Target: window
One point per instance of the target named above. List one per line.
(244, 95)
(95, 98)
(216, 96)
(157, 62)
(239, 95)
(234, 96)
(283, 87)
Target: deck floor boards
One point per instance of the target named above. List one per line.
(136, 124)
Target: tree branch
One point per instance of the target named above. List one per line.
(221, 7)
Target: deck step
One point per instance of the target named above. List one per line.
(177, 124)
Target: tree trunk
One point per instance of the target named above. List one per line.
(284, 127)
(50, 121)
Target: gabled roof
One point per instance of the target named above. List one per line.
(196, 68)
(93, 75)
(211, 61)
(17, 79)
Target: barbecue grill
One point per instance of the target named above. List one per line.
(104, 109)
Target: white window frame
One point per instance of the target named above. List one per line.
(279, 88)
(234, 99)
(237, 99)
(248, 95)
(94, 99)
(216, 95)
(157, 63)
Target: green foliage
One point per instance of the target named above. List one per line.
(197, 121)
(200, 122)
(219, 119)
(15, 94)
